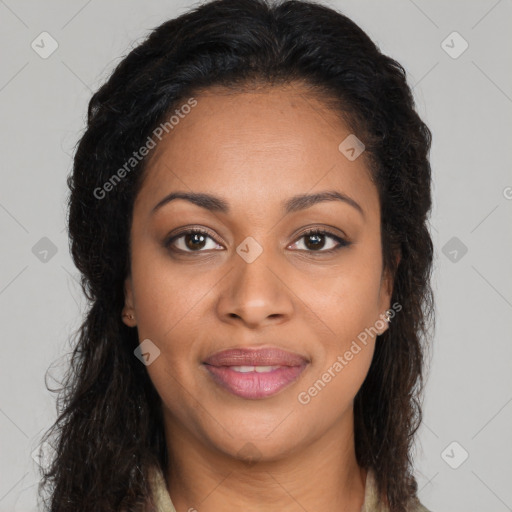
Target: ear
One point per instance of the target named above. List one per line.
(385, 293)
(128, 314)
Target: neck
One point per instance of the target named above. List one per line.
(322, 475)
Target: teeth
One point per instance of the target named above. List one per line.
(257, 369)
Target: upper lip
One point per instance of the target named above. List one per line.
(269, 356)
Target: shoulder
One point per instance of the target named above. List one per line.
(374, 503)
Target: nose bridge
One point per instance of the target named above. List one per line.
(253, 261)
(254, 290)
(255, 256)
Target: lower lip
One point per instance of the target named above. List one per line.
(254, 385)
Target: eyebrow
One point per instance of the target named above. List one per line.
(293, 204)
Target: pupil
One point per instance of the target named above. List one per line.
(193, 245)
(317, 244)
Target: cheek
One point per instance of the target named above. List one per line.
(166, 294)
(347, 304)
(336, 381)
(170, 300)
(343, 301)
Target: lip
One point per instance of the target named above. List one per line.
(251, 384)
(267, 356)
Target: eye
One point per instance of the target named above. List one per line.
(196, 240)
(315, 241)
(192, 240)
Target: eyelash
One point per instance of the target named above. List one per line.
(312, 231)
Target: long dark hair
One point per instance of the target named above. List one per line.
(109, 429)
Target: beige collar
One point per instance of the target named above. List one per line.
(159, 491)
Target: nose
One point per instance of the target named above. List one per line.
(257, 292)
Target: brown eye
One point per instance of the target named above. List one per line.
(315, 241)
(193, 240)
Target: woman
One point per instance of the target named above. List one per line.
(248, 211)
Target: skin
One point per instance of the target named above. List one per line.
(255, 149)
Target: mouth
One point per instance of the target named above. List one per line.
(255, 373)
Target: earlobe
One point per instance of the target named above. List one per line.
(389, 278)
(384, 322)
(128, 313)
(387, 286)
(386, 292)
(129, 319)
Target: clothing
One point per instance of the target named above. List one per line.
(371, 503)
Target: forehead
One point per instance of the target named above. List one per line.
(256, 147)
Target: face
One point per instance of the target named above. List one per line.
(252, 277)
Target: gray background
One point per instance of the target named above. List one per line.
(467, 103)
